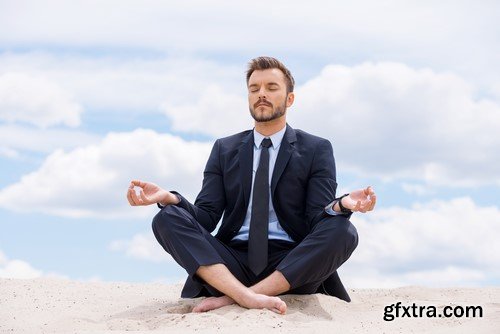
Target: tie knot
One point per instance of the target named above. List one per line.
(266, 143)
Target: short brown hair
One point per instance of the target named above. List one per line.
(265, 63)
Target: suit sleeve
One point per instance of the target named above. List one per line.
(211, 201)
(322, 183)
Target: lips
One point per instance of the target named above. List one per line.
(263, 104)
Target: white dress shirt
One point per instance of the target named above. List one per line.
(275, 229)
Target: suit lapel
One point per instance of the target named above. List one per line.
(245, 156)
(284, 154)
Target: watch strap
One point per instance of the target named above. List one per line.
(343, 208)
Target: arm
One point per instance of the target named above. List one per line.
(322, 183)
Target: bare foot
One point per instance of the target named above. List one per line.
(255, 300)
(212, 303)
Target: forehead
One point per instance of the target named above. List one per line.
(266, 76)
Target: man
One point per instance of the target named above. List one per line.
(281, 231)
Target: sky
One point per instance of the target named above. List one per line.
(94, 94)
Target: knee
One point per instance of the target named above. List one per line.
(167, 218)
(351, 237)
(343, 235)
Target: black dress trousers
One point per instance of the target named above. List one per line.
(305, 265)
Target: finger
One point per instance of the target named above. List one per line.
(144, 198)
(374, 200)
(370, 191)
(129, 197)
(138, 183)
(362, 207)
(136, 199)
(358, 205)
(365, 206)
(131, 194)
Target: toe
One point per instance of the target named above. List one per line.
(282, 307)
(279, 306)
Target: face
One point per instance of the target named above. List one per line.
(267, 97)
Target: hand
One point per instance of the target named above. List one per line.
(150, 193)
(361, 200)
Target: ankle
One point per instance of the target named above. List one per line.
(246, 297)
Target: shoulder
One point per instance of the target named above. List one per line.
(234, 141)
(236, 137)
(310, 140)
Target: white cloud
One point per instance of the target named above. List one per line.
(92, 180)
(335, 29)
(36, 100)
(408, 123)
(216, 112)
(393, 121)
(115, 84)
(142, 246)
(15, 268)
(17, 138)
(8, 152)
(19, 269)
(448, 276)
(3, 258)
(417, 189)
(439, 243)
(174, 24)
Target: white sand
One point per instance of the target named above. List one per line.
(62, 306)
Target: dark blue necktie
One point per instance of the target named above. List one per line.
(259, 221)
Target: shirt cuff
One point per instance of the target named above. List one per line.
(161, 206)
(333, 212)
(330, 211)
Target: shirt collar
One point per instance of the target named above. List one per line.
(275, 138)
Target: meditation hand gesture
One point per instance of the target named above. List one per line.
(150, 193)
(361, 200)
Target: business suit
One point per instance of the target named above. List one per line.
(303, 183)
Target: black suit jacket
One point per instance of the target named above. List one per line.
(302, 184)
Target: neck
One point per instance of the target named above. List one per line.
(271, 127)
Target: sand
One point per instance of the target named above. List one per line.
(64, 306)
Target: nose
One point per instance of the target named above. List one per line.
(262, 92)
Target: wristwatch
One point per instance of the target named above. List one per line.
(343, 209)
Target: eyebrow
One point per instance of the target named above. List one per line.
(269, 84)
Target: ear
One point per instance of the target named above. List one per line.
(289, 99)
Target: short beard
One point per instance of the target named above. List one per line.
(277, 113)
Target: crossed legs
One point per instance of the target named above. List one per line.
(330, 243)
(257, 296)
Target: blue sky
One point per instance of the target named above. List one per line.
(94, 94)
